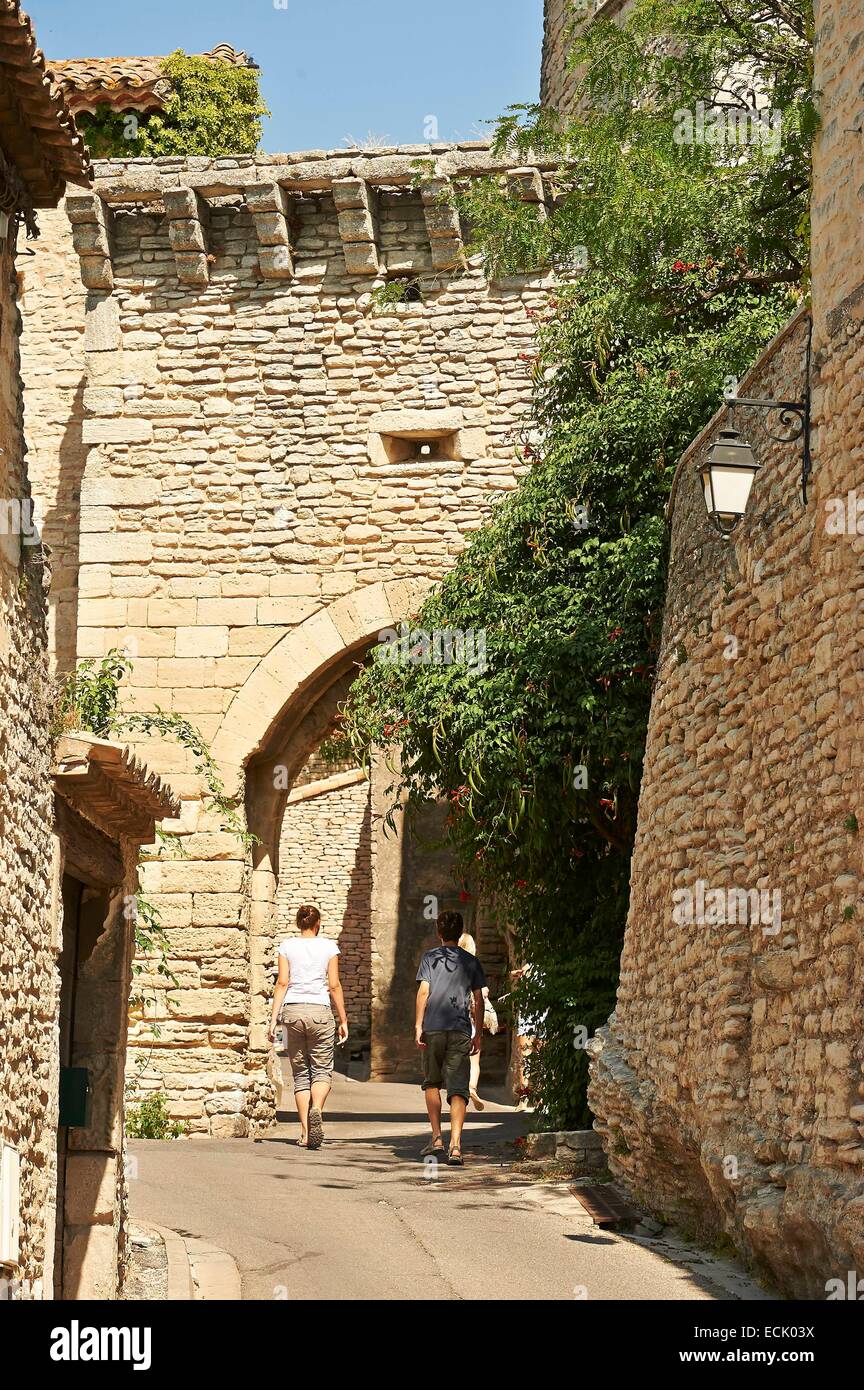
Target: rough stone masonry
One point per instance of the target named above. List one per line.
(729, 1083)
(247, 475)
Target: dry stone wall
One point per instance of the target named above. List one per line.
(263, 474)
(326, 853)
(28, 999)
(729, 1083)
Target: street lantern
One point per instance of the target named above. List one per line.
(727, 475)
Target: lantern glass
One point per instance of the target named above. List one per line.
(727, 479)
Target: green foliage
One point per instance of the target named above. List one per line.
(385, 299)
(111, 134)
(214, 109)
(150, 1120)
(692, 269)
(88, 698)
(151, 941)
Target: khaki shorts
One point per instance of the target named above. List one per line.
(311, 1030)
(447, 1063)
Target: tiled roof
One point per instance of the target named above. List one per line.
(129, 84)
(37, 132)
(111, 787)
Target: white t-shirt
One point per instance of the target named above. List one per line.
(309, 957)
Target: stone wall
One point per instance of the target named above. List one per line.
(28, 998)
(326, 858)
(729, 1083)
(269, 474)
(558, 82)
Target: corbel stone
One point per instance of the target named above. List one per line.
(356, 207)
(442, 224)
(92, 225)
(270, 209)
(187, 217)
(528, 185)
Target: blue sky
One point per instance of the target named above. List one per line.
(333, 69)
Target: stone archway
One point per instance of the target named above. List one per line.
(222, 902)
(300, 660)
(276, 721)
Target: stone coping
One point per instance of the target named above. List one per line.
(144, 180)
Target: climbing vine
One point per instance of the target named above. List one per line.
(214, 108)
(89, 699)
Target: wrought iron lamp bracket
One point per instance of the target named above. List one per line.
(794, 417)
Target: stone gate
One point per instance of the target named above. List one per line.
(246, 474)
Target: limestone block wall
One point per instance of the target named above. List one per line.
(52, 352)
(257, 475)
(28, 1031)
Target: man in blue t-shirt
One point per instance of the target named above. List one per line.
(451, 991)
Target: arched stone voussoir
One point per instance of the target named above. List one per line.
(322, 641)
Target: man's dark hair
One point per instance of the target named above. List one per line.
(450, 926)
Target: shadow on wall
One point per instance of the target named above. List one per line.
(61, 533)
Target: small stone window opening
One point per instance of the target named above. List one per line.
(429, 448)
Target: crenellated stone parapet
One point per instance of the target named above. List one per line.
(273, 189)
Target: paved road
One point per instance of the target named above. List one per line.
(361, 1219)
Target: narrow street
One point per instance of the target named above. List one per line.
(361, 1220)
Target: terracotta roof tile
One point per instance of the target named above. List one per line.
(37, 131)
(126, 83)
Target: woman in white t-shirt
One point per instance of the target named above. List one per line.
(307, 986)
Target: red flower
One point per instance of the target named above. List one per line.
(615, 634)
(464, 897)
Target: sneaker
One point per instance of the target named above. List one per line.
(316, 1129)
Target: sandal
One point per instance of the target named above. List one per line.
(435, 1146)
(455, 1159)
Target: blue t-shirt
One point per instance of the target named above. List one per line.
(452, 976)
